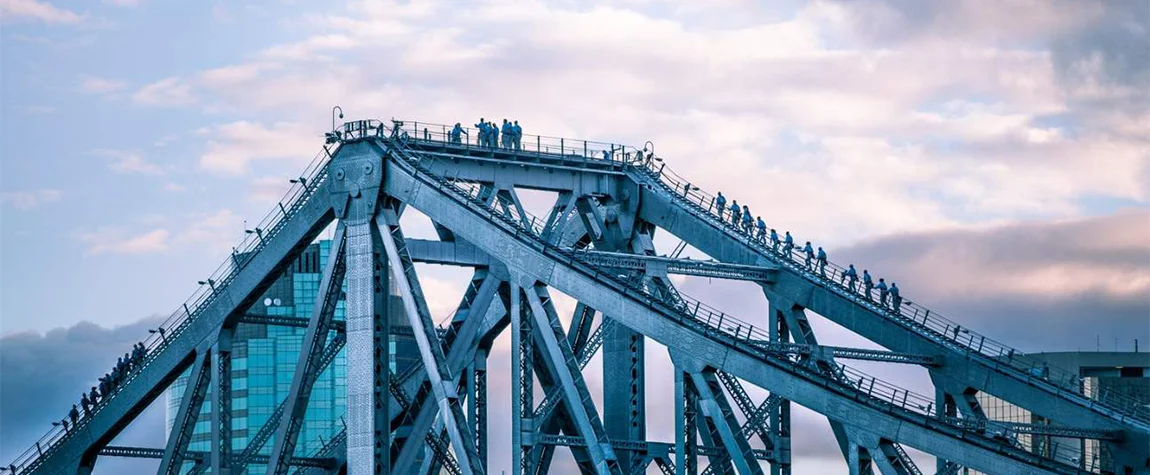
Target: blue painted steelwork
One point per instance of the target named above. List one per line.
(596, 247)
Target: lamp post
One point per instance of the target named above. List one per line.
(333, 109)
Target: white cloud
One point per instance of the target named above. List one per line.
(169, 92)
(123, 3)
(116, 241)
(99, 85)
(36, 10)
(861, 131)
(175, 188)
(30, 199)
(129, 162)
(235, 145)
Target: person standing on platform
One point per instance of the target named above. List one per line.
(735, 213)
(517, 133)
(788, 244)
(774, 241)
(809, 254)
(721, 204)
(867, 284)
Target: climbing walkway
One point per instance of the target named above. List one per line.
(432, 141)
(710, 324)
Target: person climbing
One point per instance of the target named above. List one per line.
(867, 284)
(93, 396)
(774, 241)
(721, 203)
(851, 276)
(762, 229)
(85, 404)
(748, 221)
(74, 414)
(809, 253)
(735, 210)
(882, 294)
(788, 244)
(895, 298)
(517, 133)
(822, 260)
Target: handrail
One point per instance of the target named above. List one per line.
(913, 316)
(179, 320)
(711, 322)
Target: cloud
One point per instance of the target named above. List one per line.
(169, 92)
(25, 200)
(98, 85)
(123, 3)
(112, 240)
(39, 11)
(1011, 279)
(129, 162)
(44, 374)
(175, 188)
(820, 109)
(235, 145)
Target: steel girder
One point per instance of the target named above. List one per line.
(463, 348)
(521, 253)
(221, 404)
(304, 220)
(441, 376)
(308, 366)
(195, 392)
(669, 211)
(563, 367)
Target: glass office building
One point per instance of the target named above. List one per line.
(1122, 373)
(264, 358)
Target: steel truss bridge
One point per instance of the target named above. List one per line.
(595, 245)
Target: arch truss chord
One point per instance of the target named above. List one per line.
(413, 385)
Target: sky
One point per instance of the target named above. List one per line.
(993, 161)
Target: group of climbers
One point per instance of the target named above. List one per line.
(108, 383)
(813, 260)
(509, 136)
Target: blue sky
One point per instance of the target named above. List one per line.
(139, 135)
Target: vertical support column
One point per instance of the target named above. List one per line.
(478, 400)
(686, 448)
(624, 391)
(368, 358)
(222, 404)
(522, 383)
(781, 417)
(947, 407)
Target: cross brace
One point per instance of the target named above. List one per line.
(667, 265)
(644, 446)
(200, 457)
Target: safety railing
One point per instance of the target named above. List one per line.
(415, 132)
(711, 322)
(910, 314)
(267, 228)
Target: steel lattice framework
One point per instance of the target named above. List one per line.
(596, 245)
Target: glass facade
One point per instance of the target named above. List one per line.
(1125, 374)
(264, 359)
